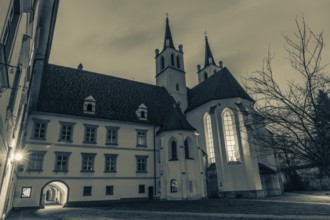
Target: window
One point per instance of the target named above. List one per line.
(26, 192)
(142, 188)
(88, 162)
(90, 134)
(12, 24)
(209, 138)
(36, 160)
(141, 164)
(87, 191)
(178, 61)
(141, 138)
(40, 129)
(174, 185)
(230, 136)
(110, 162)
(205, 76)
(89, 105)
(66, 131)
(174, 151)
(109, 190)
(112, 135)
(177, 87)
(162, 62)
(143, 115)
(186, 149)
(142, 112)
(62, 161)
(172, 59)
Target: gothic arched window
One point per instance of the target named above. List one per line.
(174, 151)
(174, 185)
(186, 150)
(172, 59)
(178, 61)
(209, 138)
(162, 62)
(205, 76)
(230, 136)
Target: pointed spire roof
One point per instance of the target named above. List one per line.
(221, 85)
(168, 41)
(208, 53)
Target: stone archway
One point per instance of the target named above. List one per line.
(54, 193)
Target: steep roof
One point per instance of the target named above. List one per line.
(221, 85)
(168, 36)
(208, 54)
(64, 89)
(175, 120)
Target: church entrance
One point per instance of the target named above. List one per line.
(54, 193)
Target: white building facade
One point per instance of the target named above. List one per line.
(92, 139)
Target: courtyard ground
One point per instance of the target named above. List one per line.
(301, 205)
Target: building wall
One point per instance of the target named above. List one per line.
(125, 180)
(19, 20)
(233, 178)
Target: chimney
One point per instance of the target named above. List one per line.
(181, 48)
(221, 64)
(80, 67)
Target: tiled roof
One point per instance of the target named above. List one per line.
(175, 120)
(263, 169)
(64, 89)
(221, 85)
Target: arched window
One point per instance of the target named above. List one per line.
(178, 61)
(162, 62)
(209, 138)
(177, 87)
(172, 59)
(174, 185)
(230, 136)
(205, 76)
(186, 150)
(174, 152)
(89, 107)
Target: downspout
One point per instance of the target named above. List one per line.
(155, 161)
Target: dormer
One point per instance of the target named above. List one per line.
(142, 112)
(89, 105)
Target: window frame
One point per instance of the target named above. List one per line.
(209, 139)
(173, 153)
(36, 168)
(142, 188)
(110, 156)
(87, 191)
(69, 124)
(92, 163)
(109, 190)
(61, 153)
(90, 126)
(109, 141)
(173, 186)
(41, 122)
(144, 131)
(139, 161)
(234, 137)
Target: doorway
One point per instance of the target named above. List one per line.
(54, 193)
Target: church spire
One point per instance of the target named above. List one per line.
(168, 41)
(208, 53)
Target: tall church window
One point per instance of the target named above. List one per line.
(178, 61)
(174, 185)
(186, 150)
(174, 151)
(172, 59)
(162, 62)
(230, 136)
(209, 138)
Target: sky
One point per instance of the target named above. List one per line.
(119, 37)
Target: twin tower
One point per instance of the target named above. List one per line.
(170, 72)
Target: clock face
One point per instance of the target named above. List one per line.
(26, 192)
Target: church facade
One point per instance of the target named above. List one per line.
(93, 138)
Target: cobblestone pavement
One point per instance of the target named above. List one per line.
(287, 207)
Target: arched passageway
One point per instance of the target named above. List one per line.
(54, 193)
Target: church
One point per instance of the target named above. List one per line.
(93, 138)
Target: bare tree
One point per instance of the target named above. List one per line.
(292, 115)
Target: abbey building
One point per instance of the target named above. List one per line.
(94, 138)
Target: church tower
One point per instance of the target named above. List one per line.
(170, 69)
(209, 66)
